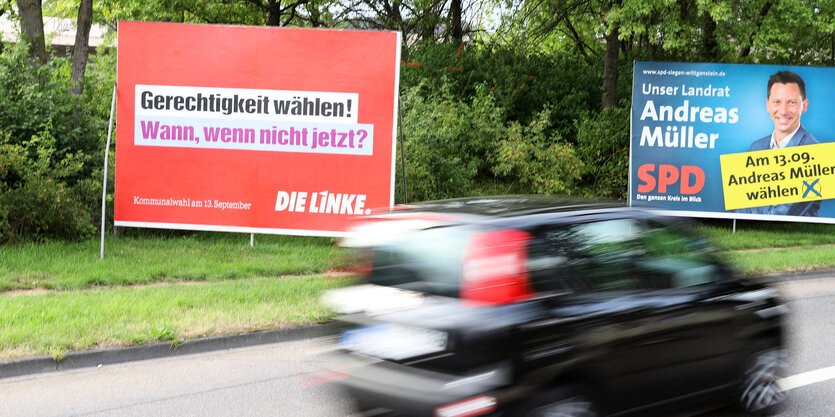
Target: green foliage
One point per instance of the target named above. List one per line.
(604, 146)
(521, 83)
(34, 99)
(473, 118)
(548, 165)
(47, 152)
(236, 12)
(98, 90)
(165, 334)
(99, 82)
(549, 55)
(785, 37)
(449, 144)
(35, 200)
(187, 11)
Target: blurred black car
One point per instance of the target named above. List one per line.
(536, 306)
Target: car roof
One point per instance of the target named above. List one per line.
(515, 211)
(504, 211)
(510, 205)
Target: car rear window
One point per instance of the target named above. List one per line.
(618, 255)
(426, 260)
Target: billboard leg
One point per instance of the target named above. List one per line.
(402, 153)
(104, 180)
(734, 225)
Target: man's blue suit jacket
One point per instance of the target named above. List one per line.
(802, 137)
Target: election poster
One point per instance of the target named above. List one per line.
(254, 129)
(733, 141)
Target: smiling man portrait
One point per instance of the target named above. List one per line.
(786, 102)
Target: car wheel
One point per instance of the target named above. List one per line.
(761, 391)
(564, 402)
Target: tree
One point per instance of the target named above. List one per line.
(610, 67)
(237, 12)
(278, 13)
(31, 24)
(456, 31)
(613, 32)
(3, 10)
(418, 20)
(81, 50)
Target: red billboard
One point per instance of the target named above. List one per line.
(253, 129)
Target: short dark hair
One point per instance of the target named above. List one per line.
(787, 77)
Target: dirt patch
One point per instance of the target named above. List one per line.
(41, 291)
(33, 291)
(164, 284)
(780, 248)
(340, 273)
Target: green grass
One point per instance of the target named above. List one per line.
(776, 261)
(759, 248)
(142, 260)
(57, 297)
(759, 235)
(58, 322)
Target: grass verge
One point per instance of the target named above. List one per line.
(758, 248)
(136, 260)
(767, 235)
(58, 322)
(57, 297)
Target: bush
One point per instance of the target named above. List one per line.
(35, 201)
(448, 144)
(604, 145)
(457, 95)
(50, 142)
(548, 165)
(36, 99)
(522, 84)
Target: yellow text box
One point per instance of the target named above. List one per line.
(778, 176)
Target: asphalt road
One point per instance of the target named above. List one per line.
(267, 380)
(812, 349)
(280, 379)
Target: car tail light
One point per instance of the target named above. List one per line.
(364, 263)
(467, 408)
(495, 267)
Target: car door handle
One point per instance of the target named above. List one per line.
(676, 318)
(657, 341)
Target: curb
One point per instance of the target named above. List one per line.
(93, 358)
(798, 275)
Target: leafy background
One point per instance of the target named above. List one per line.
(497, 96)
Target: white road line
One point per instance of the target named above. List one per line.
(807, 378)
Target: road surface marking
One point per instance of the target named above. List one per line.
(807, 378)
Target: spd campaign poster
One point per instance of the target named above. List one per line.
(254, 129)
(734, 141)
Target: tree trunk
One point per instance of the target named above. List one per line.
(81, 50)
(273, 13)
(610, 67)
(31, 25)
(758, 22)
(711, 43)
(2, 12)
(456, 31)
